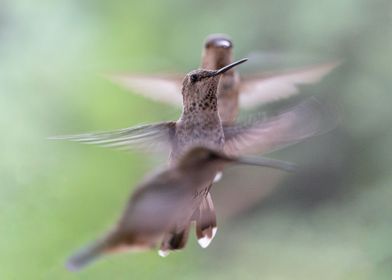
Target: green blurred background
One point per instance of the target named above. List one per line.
(332, 221)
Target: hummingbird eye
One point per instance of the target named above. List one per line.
(194, 78)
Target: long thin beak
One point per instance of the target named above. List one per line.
(268, 162)
(228, 67)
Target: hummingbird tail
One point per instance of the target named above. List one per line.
(206, 225)
(86, 255)
(175, 240)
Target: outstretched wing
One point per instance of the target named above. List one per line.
(147, 137)
(265, 88)
(150, 212)
(309, 118)
(166, 89)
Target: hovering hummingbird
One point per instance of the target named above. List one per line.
(233, 93)
(164, 200)
(200, 125)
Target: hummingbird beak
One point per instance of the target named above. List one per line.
(267, 162)
(227, 67)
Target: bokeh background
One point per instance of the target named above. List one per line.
(333, 220)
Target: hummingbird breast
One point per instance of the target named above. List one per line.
(197, 130)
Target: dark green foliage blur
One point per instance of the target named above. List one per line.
(332, 221)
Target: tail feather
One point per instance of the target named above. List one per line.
(175, 240)
(206, 225)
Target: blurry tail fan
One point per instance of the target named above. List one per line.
(175, 240)
(206, 225)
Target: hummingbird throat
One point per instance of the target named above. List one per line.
(203, 103)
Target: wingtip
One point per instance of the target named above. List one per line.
(72, 266)
(79, 261)
(83, 257)
(323, 69)
(59, 137)
(117, 78)
(291, 168)
(329, 66)
(63, 138)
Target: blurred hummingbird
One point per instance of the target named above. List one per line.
(233, 93)
(165, 199)
(200, 125)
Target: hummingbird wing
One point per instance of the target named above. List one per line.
(306, 119)
(155, 206)
(151, 211)
(166, 89)
(266, 88)
(147, 137)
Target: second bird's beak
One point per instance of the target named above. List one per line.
(227, 67)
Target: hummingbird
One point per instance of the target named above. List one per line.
(200, 125)
(165, 198)
(234, 92)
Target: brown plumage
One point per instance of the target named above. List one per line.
(200, 125)
(233, 92)
(161, 201)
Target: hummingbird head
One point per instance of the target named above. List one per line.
(200, 87)
(217, 51)
(222, 41)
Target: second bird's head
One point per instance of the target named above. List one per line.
(217, 51)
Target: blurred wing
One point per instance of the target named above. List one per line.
(263, 89)
(166, 89)
(147, 137)
(150, 212)
(309, 118)
(157, 204)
